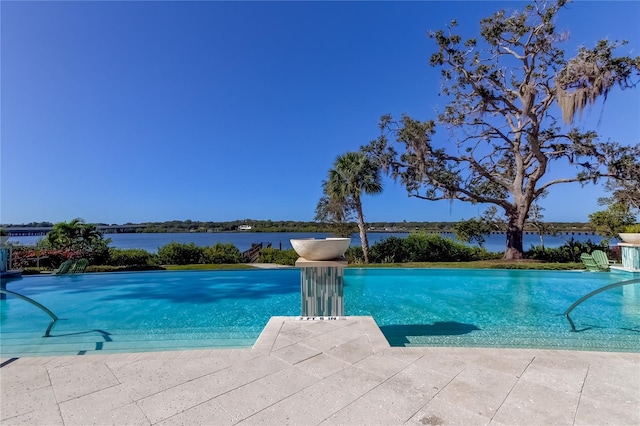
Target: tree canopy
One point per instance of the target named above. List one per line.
(512, 98)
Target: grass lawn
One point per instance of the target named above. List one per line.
(208, 267)
(479, 264)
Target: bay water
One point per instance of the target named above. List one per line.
(281, 240)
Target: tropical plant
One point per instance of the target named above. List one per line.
(74, 234)
(77, 236)
(4, 232)
(354, 255)
(505, 134)
(568, 252)
(352, 175)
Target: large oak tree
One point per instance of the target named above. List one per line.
(512, 100)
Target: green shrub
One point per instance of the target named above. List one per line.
(179, 254)
(541, 266)
(569, 252)
(130, 257)
(279, 257)
(389, 250)
(34, 271)
(354, 255)
(423, 247)
(480, 253)
(221, 253)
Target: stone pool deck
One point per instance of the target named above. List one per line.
(324, 372)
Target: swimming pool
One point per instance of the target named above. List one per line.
(145, 311)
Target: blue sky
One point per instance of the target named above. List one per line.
(150, 111)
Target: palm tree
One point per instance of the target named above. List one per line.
(352, 175)
(73, 234)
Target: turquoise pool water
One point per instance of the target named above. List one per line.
(146, 311)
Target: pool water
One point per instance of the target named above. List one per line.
(497, 308)
(149, 311)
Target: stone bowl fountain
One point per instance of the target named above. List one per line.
(630, 237)
(321, 248)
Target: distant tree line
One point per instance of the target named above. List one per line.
(300, 226)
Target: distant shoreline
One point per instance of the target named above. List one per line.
(260, 226)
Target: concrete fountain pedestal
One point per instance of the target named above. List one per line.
(321, 266)
(630, 247)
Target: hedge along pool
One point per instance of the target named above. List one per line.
(149, 311)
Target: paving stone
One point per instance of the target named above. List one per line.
(383, 366)
(287, 382)
(75, 380)
(547, 406)
(402, 396)
(39, 400)
(448, 366)
(557, 373)
(354, 380)
(613, 372)
(207, 413)
(175, 400)
(477, 390)
(324, 342)
(352, 351)
(298, 334)
(322, 365)
(263, 366)
(43, 415)
(281, 342)
(513, 362)
(361, 412)
(438, 412)
(198, 367)
(129, 414)
(593, 411)
(295, 353)
(23, 379)
(308, 407)
(143, 378)
(432, 381)
(102, 407)
(242, 402)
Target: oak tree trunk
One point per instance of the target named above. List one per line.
(514, 243)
